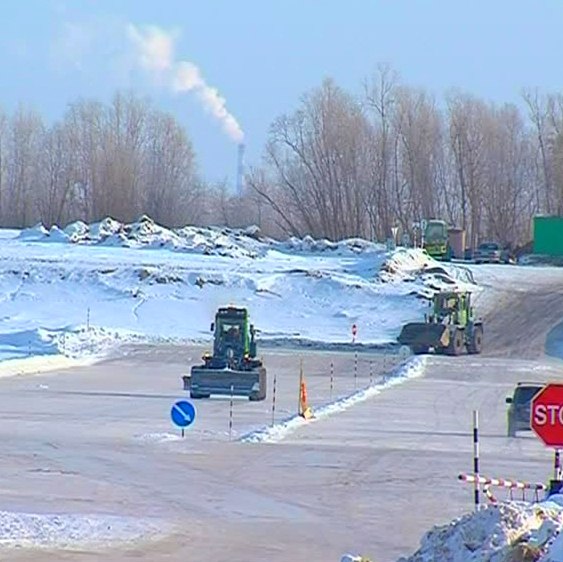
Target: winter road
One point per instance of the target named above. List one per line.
(371, 479)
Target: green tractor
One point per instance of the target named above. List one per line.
(449, 329)
(233, 368)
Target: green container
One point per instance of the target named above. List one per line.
(548, 236)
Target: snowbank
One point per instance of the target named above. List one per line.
(40, 364)
(72, 531)
(414, 367)
(507, 532)
(229, 242)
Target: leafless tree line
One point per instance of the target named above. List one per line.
(338, 166)
(342, 166)
(121, 160)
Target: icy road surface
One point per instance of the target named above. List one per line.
(99, 439)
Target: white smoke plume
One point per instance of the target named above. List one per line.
(154, 52)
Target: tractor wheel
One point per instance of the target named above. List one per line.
(419, 349)
(476, 343)
(456, 343)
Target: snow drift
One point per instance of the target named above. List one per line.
(507, 532)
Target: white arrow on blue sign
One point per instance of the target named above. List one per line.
(183, 413)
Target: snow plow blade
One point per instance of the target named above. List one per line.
(424, 334)
(205, 382)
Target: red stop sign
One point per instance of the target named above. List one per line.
(546, 415)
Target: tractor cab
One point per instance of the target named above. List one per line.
(233, 336)
(233, 368)
(452, 308)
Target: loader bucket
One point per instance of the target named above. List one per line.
(424, 334)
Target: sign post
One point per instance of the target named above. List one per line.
(354, 332)
(546, 421)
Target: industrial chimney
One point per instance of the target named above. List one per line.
(240, 170)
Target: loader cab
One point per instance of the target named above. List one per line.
(231, 332)
(453, 307)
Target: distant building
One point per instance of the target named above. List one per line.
(548, 235)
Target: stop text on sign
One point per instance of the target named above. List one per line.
(548, 414)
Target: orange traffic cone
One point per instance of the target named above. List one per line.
(305, 410)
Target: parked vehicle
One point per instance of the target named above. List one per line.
(518, 416)
(488, 252)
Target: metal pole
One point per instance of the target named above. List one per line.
(274, 400)
(355, 370)
(231, 414)
(557, 465)
(300, 384)
(476, 458)
(331, 379)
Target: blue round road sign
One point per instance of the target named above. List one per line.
(183, 413)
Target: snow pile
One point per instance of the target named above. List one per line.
(228, 242)
(413, 368)
(71, 531)
(428, 276)
(507, 532)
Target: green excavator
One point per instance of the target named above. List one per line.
(450, 328)
(233, 368)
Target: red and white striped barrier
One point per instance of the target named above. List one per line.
(489, 494)
(502, 483)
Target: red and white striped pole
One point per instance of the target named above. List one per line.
(476, 458)
(355, 370)
(331, 379)
(274, 400)
(231, 414)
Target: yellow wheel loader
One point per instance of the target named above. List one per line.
(449, 329)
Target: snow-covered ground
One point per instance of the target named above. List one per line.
(81, 290)
(72, 530)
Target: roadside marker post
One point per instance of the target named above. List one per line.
(355, 370)
(370, 373)
(231, 414)
(354, 332)
(476, 458)
(274, 399)
(331, 379)
(183, 414)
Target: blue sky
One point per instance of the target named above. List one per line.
(262, 55)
